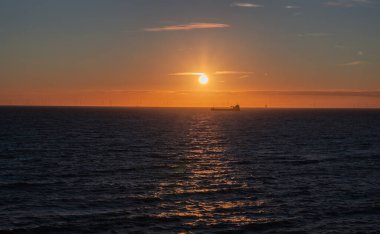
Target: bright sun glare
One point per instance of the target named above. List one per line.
(203, 79)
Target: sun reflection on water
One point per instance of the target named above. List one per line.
(207, 189)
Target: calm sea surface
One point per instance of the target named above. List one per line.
(120, 170)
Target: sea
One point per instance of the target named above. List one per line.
(189, 170)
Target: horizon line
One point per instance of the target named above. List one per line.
(183, 107)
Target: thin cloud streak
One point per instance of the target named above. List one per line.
(314, 34)
(246, 4)
(218, 73)
(338, 93)
(347, 3)
(187, 27)
(233, 72)
(292, 7)
(241, 74)
(187, 74)
(355, 63)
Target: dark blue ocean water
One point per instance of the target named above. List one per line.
(120, 170)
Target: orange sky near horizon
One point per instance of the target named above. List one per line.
(255, 99)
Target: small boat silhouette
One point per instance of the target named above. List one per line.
(231, 108)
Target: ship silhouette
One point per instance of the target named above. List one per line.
(231, 108)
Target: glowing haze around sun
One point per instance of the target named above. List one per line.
(203, 79)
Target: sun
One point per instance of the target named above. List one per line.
(203, 79)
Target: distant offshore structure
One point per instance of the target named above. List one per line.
(231, 108)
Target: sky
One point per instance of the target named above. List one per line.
(276, 53)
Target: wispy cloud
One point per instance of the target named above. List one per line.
(339, 46)
(364, 93)
(215, 73)
(241, 74)
(187, 27)
(336, 93)
(245, 4)
(347, 3)
(355, 63)
(333, 93)
(233, 72)
(291, 7)
(314, 34)
(187, 74)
